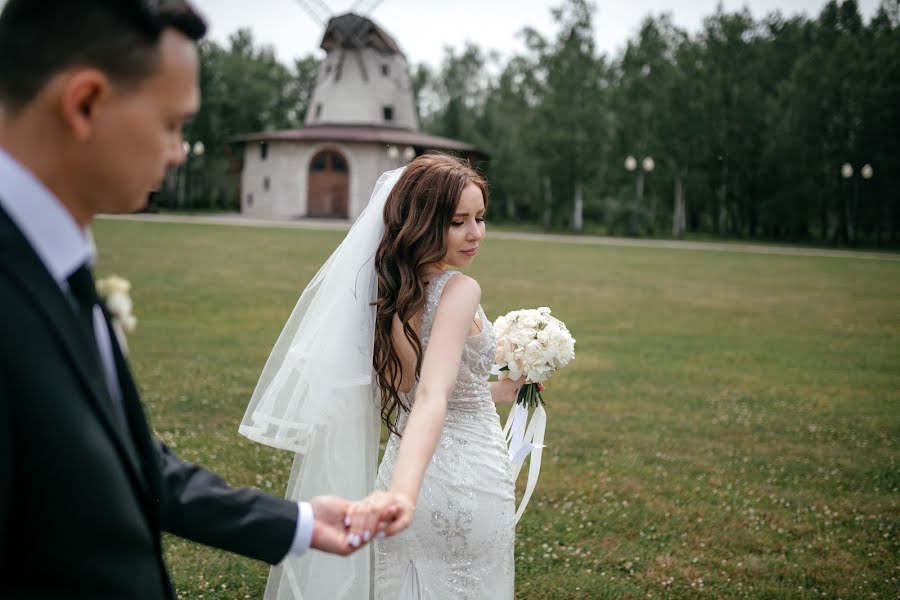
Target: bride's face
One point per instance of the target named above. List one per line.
(466, 228)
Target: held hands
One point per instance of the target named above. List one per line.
(342, 527)
(379, 515)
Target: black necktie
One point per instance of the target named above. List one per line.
(81, 282)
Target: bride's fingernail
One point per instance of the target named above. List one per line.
(347, 521)
(353, 539)
(380, 535)
(367, 536)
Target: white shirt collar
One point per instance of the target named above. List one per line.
(59, 241)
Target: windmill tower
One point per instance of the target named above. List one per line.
(361, 122)
(364, 79)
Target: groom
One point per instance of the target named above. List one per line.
(93, 96)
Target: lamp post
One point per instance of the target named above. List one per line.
(394, 154)
(850, 212)
(198, 150)
(631, 165)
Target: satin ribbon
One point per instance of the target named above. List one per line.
(522, 441)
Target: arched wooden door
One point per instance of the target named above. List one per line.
(328, 188)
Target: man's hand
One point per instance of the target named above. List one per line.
(379, 514)
(329, 532)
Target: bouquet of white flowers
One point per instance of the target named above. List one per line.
(113, 291)
(532, 343)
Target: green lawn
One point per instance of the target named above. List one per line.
(729, 428)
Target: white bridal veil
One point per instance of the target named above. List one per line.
(317, 397)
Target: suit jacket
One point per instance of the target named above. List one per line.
(84, 497)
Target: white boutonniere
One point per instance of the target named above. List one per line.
(114, 291)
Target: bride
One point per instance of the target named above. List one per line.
(389, 328)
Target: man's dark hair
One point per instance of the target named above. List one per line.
(40, 38)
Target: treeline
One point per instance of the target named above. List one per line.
(778, 128)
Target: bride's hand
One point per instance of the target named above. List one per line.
(379, 514)
(400, 516)
(505, 391)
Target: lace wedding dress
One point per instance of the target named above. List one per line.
(461, 541)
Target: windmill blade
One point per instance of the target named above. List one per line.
(365, 7)
(317, 9)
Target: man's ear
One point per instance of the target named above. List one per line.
(81, 94)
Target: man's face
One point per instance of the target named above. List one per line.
(137, 131)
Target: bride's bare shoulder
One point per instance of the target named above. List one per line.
(462, 287)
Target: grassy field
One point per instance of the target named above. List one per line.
(729, 429)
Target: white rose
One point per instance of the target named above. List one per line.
(112, 285)
(515, 370)
(129, 322)
(501, 327)
(531, 320)
(534, 352)
(504, 347)
(119, 304)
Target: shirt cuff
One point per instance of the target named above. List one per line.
(303, 535)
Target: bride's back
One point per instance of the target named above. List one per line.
(407, 354)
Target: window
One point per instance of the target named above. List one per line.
(263, 150)
(388, 112)
(318, 162)
(318, 110)
(338, 163)
(266, 183)
(385, 70)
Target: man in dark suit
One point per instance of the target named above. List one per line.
(93, 95)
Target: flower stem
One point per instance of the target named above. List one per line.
(529, 396)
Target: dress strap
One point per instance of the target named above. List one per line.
(432, 298)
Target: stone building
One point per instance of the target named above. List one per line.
(361, 122)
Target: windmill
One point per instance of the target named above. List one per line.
(361, 122)
(364, 78)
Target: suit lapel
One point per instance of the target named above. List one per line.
(24, 266)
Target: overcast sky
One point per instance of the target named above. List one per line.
(423, 28)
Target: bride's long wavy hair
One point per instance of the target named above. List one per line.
(417, 216)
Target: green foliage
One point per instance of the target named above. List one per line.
(748, 120)
(730, 427)
(245, 89)
(751, 119)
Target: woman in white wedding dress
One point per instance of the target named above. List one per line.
(433, 355)
(388, 323)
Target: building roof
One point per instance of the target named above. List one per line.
(355, 32)
(358, 133)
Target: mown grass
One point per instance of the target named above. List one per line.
(729, 428)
